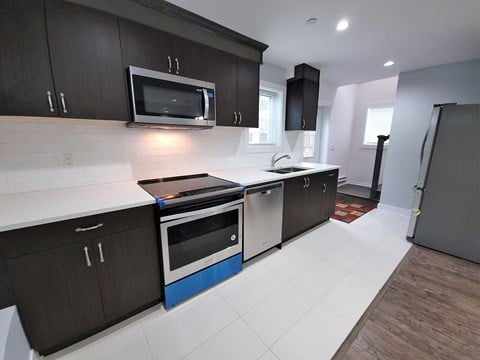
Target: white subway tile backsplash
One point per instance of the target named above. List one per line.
(47, 153)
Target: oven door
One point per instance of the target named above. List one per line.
(161, 98)
(195, 240)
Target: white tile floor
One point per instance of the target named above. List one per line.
(296, 303)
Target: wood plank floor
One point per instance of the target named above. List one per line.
(430, 309)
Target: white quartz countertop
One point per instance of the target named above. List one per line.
(258, 175)
(41, 207)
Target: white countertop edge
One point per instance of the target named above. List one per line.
(250, 176)
(17, 211)
(69, 216)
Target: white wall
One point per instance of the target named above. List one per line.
(340, 127)
(362, 158)
(417, 92)
(34, 151)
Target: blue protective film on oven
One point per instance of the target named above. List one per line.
(160, 202)
(193, 284)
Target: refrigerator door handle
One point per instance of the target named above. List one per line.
(425, 156)
(423, 147)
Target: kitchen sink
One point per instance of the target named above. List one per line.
(287, 170)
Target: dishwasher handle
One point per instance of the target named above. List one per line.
(264, 189)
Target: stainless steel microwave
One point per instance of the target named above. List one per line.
(162, 100)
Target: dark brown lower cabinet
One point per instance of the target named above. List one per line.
(308, 201)
(330, 182)
(129, 275)
(68, 292)
(57, 295)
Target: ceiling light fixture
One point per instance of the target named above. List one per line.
(389, 63)
(342, 25)
(312, 21)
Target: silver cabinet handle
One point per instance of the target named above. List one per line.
(169, 63)
(266, 192)
(235, 118)
(303, 123)
(178, 66)
(324, 187)
(64, 105)
(50, 102)
(85, 249)
(100, 251)
(89, 228)
(240, 118)
(304, 182)
(308, 182)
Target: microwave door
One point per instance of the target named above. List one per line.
(165, 99)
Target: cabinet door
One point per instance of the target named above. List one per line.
(313, 201)
(195, 60)
(225, 79)
(330, 181)
(145, 47)
(294, 106)
(86, 61)
(293, 207)
(310, 104)
(25, 74)
(57, 295)
(302, 104)
(129, 274)
(248, 78)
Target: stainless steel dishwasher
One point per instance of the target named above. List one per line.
(263, 214)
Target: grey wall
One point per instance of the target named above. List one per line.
(273, 73)
(417, 92)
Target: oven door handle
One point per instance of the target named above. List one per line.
(206, 211)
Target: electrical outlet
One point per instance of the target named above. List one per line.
(67, 159)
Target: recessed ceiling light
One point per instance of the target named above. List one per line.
(389, 63)
(312, 21)
(342, 25)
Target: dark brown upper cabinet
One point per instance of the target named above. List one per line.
(248, 83)
(302, 99)
(86, 62)
(145, 47)
(26, 84)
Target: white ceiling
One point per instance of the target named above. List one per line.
(413, 33)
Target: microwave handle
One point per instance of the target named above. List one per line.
(207, 105)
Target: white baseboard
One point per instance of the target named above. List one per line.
(394, 210)
(359, 183)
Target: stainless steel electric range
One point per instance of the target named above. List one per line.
(201, 222)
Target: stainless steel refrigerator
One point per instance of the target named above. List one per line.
(446, 207)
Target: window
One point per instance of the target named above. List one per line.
(265, 134)
(308, 143)
(378, 122)
(268, 136)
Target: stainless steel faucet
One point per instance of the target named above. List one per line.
(274, 161)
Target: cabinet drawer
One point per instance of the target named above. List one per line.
(28, 240)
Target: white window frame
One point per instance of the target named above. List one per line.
(362, 134)
(279, 115)
(314, 143)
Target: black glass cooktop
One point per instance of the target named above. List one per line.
(186, 186)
